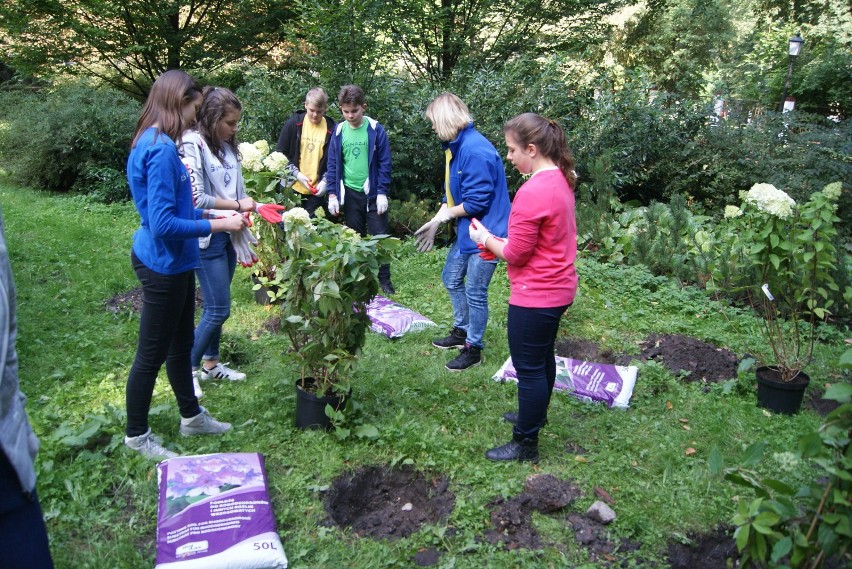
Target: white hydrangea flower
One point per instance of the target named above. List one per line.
(296, 216)
(251, 157)
(263, 146)
(275, 162)
(832, 191)
(769, 199)
(732, 211)
(787, 461)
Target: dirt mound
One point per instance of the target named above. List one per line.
(380, 502)
(701, 361)
(512, 518)
(711, 550)
(132, 301)
(586, 350)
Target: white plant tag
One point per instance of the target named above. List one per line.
(765, 289)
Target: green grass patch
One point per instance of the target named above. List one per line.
(70, 256)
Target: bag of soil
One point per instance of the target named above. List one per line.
(214, 513)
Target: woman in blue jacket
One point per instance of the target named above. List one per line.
(164, 257)
(474, 186)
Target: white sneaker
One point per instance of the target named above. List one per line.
(219, 371)
(203, 424)
(149, 446)
(196, 385)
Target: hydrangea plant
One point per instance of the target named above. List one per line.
(266, 176)
(785, 251)
(330, 275)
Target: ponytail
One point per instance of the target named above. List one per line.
(548, 137)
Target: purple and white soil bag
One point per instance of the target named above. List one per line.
(588, 381)
(214, 512)
(394, 320)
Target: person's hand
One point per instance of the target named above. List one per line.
(232, 223)
(319, 189)
(333, 205)
(485, 254)
(271, 212)
(242, 242)
(444, 214)
(478, 232)
(304, 179)
(424, 238)
(247, 204)
(381, 204)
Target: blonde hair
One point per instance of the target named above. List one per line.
(448, 115)
(317, 97)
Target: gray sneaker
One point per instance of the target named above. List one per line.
(203, 424)
(149, 446)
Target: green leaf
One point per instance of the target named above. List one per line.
(741, 535)
(781, 548)
(366, 431)
(715, 461)
(841, 392)
(753, 453)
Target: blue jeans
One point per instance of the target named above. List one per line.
(466, 278)
(165, 336)
(532, 339)
(218, 262)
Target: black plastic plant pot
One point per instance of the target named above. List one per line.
(310, 409)
(783, 397)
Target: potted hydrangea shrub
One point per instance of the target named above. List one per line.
(330, 274)
(785, 252)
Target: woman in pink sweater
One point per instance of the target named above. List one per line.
(539, 253)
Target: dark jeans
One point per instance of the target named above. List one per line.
(532, 339)
(312, 203)
(218, 262)
(165, 336)
(360, 215)
(23, 537)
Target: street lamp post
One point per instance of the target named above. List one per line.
(794, 47)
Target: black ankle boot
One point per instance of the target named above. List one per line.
(519, 448)
(512, 417)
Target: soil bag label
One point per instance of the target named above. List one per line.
(214, 513)
(394, 320)
(604, 383)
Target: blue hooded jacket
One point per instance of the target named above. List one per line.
(478, 180)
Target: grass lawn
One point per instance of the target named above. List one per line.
(100, 499)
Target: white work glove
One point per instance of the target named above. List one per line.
(304, 179)
(321, 188)
(424, 238)
(242, 242)
(444, 215)
(478, 232)
(381, 204)
(333, 205)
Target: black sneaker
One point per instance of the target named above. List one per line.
(469, 356)
(387, 287)
(454, 340)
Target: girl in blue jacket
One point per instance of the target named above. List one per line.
(164, 257)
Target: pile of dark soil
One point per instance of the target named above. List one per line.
(131, 301)
(512, 518)
(380, 502)
(696, 360)
(585, 350)
(712, 550)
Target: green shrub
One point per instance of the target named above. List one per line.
(50, 138)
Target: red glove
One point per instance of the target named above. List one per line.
(271, 212)
(486, 254)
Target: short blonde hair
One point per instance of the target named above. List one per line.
(317, 97)
(448, 115)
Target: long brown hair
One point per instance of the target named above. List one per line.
(218, 102)
(548, 137)
(169, 93)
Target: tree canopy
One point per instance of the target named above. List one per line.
(128, 44)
